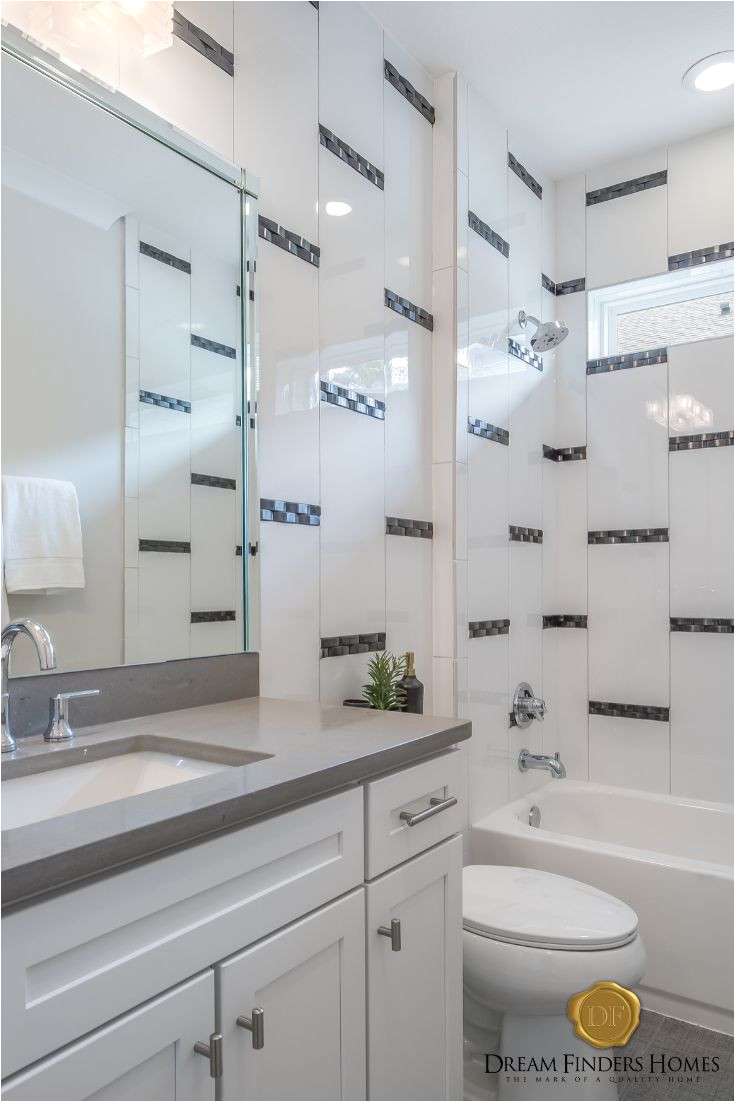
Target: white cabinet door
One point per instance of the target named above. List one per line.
(309, 982)
(415, 993)
(147, 1054)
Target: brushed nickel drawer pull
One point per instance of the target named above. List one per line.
(394, 933)
(256, 1025)
(437, 805)
(213, 1052)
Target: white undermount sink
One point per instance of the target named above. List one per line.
(47, 785)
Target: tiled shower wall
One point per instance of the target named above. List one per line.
(644, 642)
(493, 234)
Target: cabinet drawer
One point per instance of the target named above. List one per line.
(86, 955)
(390, 839)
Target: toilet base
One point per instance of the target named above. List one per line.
(540, 1038)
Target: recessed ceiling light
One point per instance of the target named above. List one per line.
(711, 74)
(337, 209)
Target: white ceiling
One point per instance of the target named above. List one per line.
(579, 83)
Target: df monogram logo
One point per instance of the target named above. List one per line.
(605, 1015)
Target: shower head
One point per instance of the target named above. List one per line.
(548, 333)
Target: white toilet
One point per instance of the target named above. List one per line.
(532, 940)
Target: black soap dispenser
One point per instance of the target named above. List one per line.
(412, 687)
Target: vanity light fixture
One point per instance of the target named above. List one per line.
(711, 73)
(337, 209)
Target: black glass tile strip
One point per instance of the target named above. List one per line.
(314, 4)
(476, 427)
(628, 711)
(524, 175)
(487, 234)
(165, 258)
(518, 534)
(174, 547)
(407, 90)
(701, 440)
(213, 480)
(564, 620)
(548, 284)
(483, 629)
(701, 256)
(631, 359)
(150, 398)
(570, 286)
(351, 399)
(719, 626)
(213, 346)
(238, 549)
(522, 353)
(629, 535)
(403, 526)
(287, 240)
(203, 43)
(408, 309)
(627, 187)
(336, 646)
(565, 455)
(290, 512)
(351, 157)
(216, 617)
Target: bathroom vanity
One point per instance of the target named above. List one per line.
(286, 927)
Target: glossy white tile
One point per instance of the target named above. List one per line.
(525, 423)
(629, 753)
(353, 523)
(701, 387)
(342, 678)
(276, 96)
(488, 712)
(165, 474)
(701, 532)
(444, 619)
(351, 284)
(444, 367)
(216, 571)
(217, 638)
(626, 237)
(164, 606)
(351, 78)
(627, 449)
(525, 612)
(488, 333)
(408, 421)
(701, 737)
(488, 160)
(165, 336)
(629, 623)
(288, 396)
(566, 695)
(565, 537)
(702, 166)
(487, 530)
(570, 229)
(289, 633)
(408, 604)
(570, 378)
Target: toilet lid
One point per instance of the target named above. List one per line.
(530, 907)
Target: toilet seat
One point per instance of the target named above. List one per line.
(542, 910)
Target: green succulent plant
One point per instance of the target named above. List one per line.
(383, 691)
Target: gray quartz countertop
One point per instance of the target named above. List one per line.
(313, 750)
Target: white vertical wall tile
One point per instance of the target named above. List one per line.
(407, 419)
(629, 753)
(215, 638)
(444, 216)
(629, 623)
(487, 530)
(701, 387)
(289, 634)
(276, 93)
(462, 368)
(570, 378)
(701, 532)
(164, 608)
(488, 711)
(216, 570)
(351, 78)
(165, 473)
(443, 558)
(353, 523)
(566, 695)
(570, 229)
(628, 448)
(408, 604)
(488, 333)
(342, 678)
(444, 366)
(351, 284)
(488, 159)
(626, 237)
(701, 737)
(165, 338)
(288, 394)
(565, 537)
(700, 167)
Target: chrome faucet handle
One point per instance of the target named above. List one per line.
(58, 720)
(527, 706)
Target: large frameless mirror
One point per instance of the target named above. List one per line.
(124, 395)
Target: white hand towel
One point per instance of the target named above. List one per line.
(42, 535)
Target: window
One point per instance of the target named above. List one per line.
(691, 304)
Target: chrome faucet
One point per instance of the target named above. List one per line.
(527, 706)
(46, 659)
(527, 760)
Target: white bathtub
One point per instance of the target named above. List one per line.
(669, 858)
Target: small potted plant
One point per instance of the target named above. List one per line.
(383, 691)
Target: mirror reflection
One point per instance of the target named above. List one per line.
(122, 387)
